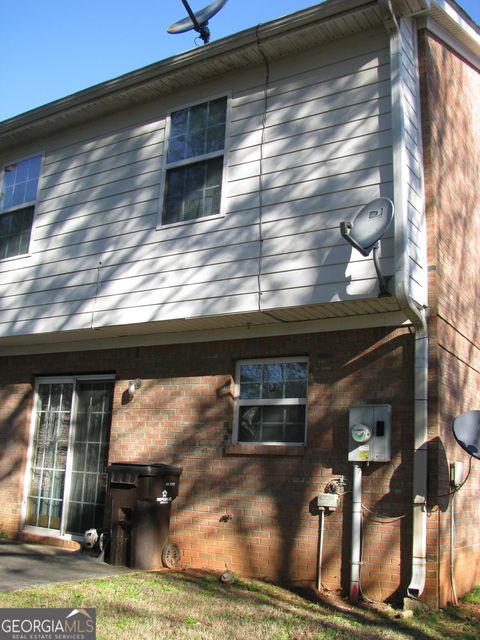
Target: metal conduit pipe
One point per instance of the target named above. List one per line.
(320, 548)
(416, 315)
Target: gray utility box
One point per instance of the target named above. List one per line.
(140, 498)
(369, 433)
(328, 501)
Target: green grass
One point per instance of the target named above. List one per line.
(197, 606)
(473, 596)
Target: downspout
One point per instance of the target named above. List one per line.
(356, 550)
(416, 315)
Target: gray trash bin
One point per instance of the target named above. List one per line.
(140, 498)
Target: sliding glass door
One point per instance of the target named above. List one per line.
(69, 453)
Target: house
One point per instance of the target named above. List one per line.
(175, 288)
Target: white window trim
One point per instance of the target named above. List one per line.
(208, 156)
(24, 205)
(267, 402)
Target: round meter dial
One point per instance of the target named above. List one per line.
(361, 433)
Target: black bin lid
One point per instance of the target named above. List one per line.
(139, 469)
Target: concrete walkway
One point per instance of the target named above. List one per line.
(23, 564)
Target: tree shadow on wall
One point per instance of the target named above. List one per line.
(253, 510)
(13, 448)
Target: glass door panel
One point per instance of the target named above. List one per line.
(50, 446)
(70, 451)
(91, 433)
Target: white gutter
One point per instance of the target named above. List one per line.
(417, 316)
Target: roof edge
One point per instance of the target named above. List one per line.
(228, 44)
(328, 10)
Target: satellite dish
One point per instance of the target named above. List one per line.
(197, 21)
(365, 231)
(466, 429)
(369, 225)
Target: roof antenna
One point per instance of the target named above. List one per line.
(197, 21)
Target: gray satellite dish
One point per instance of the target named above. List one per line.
(197, 21)
(466, 429)
(365, 231)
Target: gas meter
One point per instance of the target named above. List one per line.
(370, 433)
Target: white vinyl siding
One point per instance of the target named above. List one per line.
(414, 169)
(98, 258)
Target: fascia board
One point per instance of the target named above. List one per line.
(452, 26)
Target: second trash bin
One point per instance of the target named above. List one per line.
(140, 500)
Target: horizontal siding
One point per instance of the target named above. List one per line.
(98, 258)
(327, 97)
(63, 197)
(81, 155)
(95, 185)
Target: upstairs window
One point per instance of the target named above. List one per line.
(18, 194)
(194, 163)
(271, 401)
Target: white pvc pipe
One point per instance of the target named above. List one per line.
(356, 533)
(320, 548)
(419, 543)
(452, 550)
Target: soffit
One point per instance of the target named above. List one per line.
(354, 314)
(410, 7)
(457, 24)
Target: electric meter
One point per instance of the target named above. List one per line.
(361, 433)
(369, 433)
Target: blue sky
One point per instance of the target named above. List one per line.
(52, 48)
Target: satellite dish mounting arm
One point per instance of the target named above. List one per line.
(382, 280)
(201, 29)
(198, 20)
(346, 229)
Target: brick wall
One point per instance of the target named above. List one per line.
(15, 414)
(451, 136)
(183, 415)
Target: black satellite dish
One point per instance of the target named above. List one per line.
(466, 429)
(365, 231)
(197, 21)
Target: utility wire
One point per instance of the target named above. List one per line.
(386, 519)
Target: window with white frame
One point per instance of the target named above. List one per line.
(194, 162)
(18, 194)
(271, 400)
